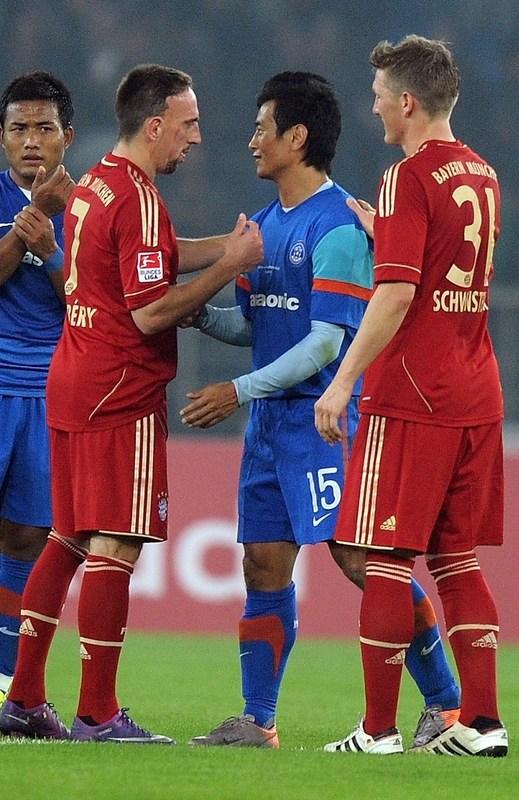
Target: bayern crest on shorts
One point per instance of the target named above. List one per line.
(163, 506)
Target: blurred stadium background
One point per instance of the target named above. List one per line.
(230, 47)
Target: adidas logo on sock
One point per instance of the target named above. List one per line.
(488, 640)
(83, 652)
(389, 524)
(27, 628)
(398, 658)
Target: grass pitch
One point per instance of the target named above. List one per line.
(183, 686)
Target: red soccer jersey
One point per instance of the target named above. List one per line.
(438, 216)
(120, 254)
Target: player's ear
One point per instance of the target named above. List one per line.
(69, 136)
(409, 102)
(152, 128)
(299, 136)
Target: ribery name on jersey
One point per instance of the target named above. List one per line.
(455, 301)
(80, 316)
(274, 301)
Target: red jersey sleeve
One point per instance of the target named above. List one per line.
(400, 226)
(148, 255)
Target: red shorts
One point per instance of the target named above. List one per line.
(422, 487)
(113, 481)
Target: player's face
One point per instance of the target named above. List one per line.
(270, 151)
(389, 107)
(178, 131)
(32, 136)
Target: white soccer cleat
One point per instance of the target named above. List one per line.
(459, 740)
(361, 742)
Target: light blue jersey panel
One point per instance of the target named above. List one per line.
(31, 316)
(318, 265)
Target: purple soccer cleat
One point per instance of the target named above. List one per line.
(120, 729)
(40, 722)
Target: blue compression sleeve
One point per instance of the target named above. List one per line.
(315, 351)
(225, 324)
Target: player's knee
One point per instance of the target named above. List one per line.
(22, 542)
(351, 561)
(263, 574)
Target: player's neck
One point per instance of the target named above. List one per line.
(137, 155)
(434, 129)
(298, 185)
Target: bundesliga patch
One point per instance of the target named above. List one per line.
(149, 267)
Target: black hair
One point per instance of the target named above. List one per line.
(310, 100)
(40, 85)
(143, 93)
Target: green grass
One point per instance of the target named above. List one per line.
(183, 686)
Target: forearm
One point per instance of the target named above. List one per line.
(319, 348)
(384, 315)
(227, 325)
(56, 279)
(195, 254)
(218, 401)
(184, 299)
(12, 250)
(243, 252)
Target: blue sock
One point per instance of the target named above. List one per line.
(426, 659)
(13, 577)
(268, 632)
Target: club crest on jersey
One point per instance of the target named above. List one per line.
(149, 266)
(297, 253)
(163, 506)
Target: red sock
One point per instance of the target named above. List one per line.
(472, 627)
(386, 630)
(42, 604)
(102, 618)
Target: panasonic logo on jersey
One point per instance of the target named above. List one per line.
(274, 301)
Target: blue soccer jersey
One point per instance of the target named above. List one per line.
(31, 316)
(318, 266)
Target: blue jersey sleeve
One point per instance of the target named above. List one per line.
(343, 276)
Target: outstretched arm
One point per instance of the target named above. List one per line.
(218, 401)
(195, 254)
(225, 324)
(243, 252)
(384, 315)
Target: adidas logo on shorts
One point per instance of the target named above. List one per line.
(389, 524)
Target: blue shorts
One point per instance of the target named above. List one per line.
(290, 480)
(24, 461)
